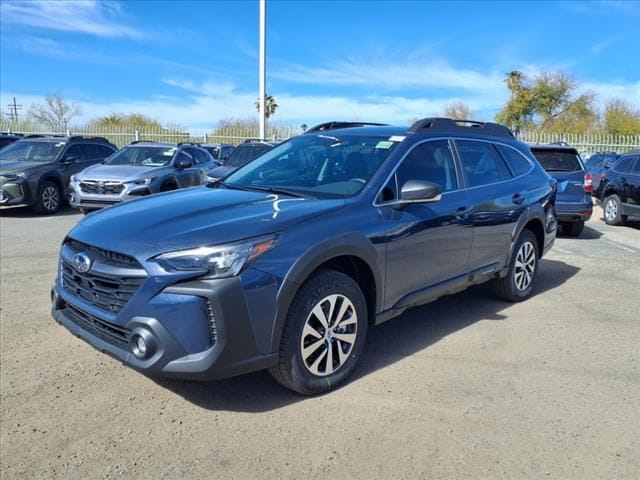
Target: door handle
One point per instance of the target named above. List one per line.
(517, 198)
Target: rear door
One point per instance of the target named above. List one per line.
(72, 161)
(498, 198)
(630, 180)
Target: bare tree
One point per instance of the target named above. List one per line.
(458, 110)
(56, 112)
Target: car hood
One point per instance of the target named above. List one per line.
(120, 173)
(194, 217)
(18, 166)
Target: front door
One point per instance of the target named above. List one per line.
(428, 244)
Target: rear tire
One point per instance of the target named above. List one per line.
(613, 210)
(324, 334)
(573, 229)
(49, 198)
(518, 284)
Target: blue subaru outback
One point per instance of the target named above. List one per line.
(287, 262)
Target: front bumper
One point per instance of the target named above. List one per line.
(166, 328)
(80, 199)
(15, 193)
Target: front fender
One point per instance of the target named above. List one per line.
(353, 244)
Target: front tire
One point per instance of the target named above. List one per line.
(324, 334)
(49, 198)
(613, 211)
(517, 285)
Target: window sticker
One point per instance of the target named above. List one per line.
(169, 153)
(397, 138)
(384, 144)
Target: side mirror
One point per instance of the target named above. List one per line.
(70, 159)
(184, 163)
(419, 191)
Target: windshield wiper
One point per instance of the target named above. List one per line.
(267, 189)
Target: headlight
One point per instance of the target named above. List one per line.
(15, 176)
(221, 260)
(144, 181)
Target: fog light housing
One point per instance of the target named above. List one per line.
(140, 347)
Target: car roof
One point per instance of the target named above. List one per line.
(382, 131)
(154, 144)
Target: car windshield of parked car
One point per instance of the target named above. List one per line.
(319, 165)
(31, 151)
(245, 153)
(558, 160)
(143, 156)
(214, 151)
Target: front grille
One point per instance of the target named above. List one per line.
(101, 188)
(109, 287)
(114, 257)
(108, 331)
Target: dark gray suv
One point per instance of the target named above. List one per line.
(287, 262)
(36, 170)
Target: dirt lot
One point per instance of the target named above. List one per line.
(467, 387)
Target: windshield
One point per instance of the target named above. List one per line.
(214, 151)
(143, 156)
(31, 151)
(245, 153)
(316, 165)
(558, 160)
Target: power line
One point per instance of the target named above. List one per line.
(13, 110)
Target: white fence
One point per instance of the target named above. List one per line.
(586, 144)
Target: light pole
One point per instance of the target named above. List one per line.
(262, 73)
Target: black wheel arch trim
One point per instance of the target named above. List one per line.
(353, 244)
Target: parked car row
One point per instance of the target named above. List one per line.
(92, 173)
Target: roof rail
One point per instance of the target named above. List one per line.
(337, 124)
(79, 138)
(255, 140)
(51, 135)
(12, 134)
(439, 123)
(189, 143)
(142, 141)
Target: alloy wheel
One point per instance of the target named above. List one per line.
(611, 210)
(525, 266)
(328, 335)
(50, 198)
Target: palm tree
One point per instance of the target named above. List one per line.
(270, 106)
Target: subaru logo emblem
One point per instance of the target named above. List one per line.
(82, 262)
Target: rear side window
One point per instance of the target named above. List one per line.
(558, 160)
(431, 162)
(518, 163)
(623, 165)
(481, 164)
(95, 152)
(636, 166)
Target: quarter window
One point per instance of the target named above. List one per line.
(518, 163)
(432, 162)
(480, 162)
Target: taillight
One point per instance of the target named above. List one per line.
(588, 182)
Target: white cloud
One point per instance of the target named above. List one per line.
(102, 19)
(410, 74)
(608, 91)
(604, 44)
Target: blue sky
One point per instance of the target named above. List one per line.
(193, 63)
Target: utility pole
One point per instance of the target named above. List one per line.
(13, 110)
(262, 72)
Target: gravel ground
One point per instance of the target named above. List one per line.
(467, 387)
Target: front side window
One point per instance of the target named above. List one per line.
(143, 156)
(431, 162)
(623, 165)
(316, 165)
(636, 166)
(31, 151)
(480, 163)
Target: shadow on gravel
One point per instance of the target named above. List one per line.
(388, 343)
(589, 233)
(27, 212)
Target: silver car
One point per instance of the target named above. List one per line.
(140, 169)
